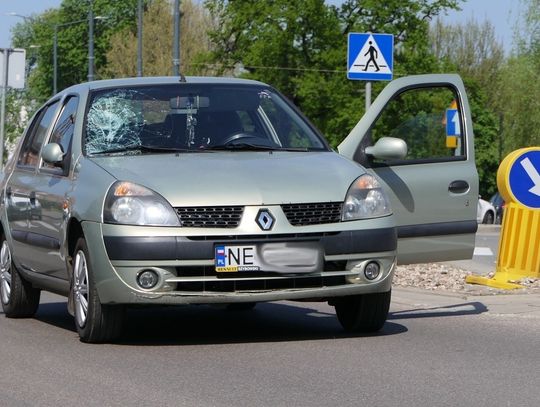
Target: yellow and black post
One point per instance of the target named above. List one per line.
(518, 180)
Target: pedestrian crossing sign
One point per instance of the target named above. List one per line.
(370, 57)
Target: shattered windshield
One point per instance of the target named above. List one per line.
(194, 117)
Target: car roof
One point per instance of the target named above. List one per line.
(159, 80)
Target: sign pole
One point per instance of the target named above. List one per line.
(370, 57)
(368, 95)
(6, 52)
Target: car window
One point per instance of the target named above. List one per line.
(62, 133)
(31, 148)
(194, 117)
(428, 120)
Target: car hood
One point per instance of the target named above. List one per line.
(238, 178)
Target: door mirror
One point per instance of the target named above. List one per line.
(388, 148)
(52, 154)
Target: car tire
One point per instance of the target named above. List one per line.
(19, 298)
(95, 322)
(241, 306)
(488, 218)
(363, 313)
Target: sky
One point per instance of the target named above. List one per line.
(503, 15)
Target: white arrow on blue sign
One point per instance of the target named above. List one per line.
(370, 57)
(453, 127)
(524, 179)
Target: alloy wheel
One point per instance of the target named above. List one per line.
(80, 288)
(5, 272)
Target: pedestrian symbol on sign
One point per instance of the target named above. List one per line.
(370, 56)
(373, 54)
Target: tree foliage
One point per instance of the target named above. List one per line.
(300, 47)
(158, 41)
(519, 85)
(71, 21)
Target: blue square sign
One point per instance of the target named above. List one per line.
(370, 57)
(453, 124)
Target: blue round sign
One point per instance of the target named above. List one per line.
(524, 179)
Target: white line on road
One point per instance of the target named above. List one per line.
(482, 251)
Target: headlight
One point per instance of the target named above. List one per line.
(365, 199)
(132, 204)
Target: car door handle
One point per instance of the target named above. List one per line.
(458, 187)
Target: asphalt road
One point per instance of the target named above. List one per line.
(280, 354)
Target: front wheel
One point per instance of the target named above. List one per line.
(363, 313)
(488, 218)
(19, 298)
(95, 322)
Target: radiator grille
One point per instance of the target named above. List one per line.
(210, 216)
(313, 213)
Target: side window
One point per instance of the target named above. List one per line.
(63, 131)
(428, 120)
(32, 146)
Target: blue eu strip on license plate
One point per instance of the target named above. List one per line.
(231, 259)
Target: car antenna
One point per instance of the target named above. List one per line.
(182, 78)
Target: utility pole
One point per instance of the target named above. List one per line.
(176, 43)
(6, 52)
(139, 38)
(90, 41)
(13, 78)
(55, 60)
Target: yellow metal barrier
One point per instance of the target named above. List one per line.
(518, 180)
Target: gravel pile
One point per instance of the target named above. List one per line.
(444, 277)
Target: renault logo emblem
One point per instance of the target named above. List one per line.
(265, 220)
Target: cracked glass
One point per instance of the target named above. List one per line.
(194, 117)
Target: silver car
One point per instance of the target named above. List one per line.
(211, 190)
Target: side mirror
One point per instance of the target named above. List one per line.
(52, 154)
(388, 148)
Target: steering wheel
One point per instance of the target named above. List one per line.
(239, 136)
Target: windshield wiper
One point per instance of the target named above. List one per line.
(143, 148)
(242, 146)
(254, 147)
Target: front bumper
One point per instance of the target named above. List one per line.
(185, 265)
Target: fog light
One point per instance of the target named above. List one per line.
(372, 270)
(147, 279)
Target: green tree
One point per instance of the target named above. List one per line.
(471, 49)
(300, 48)
(518, 99)
(72, 40)
(158, 41)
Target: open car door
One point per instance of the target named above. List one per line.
(417, 137)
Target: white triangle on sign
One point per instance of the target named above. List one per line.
(370, 57)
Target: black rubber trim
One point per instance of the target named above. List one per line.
(183, 248)
(35, 239)
(438, 229)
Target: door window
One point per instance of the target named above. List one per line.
(34, 140)
(63, 131)
(428, 120)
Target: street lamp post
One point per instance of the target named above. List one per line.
(55, 52)
(90, 48)
(90, 42)
(176, 42)
(139, 37)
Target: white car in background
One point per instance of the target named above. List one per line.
(485, 213)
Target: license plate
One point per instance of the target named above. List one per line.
(232, 259)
